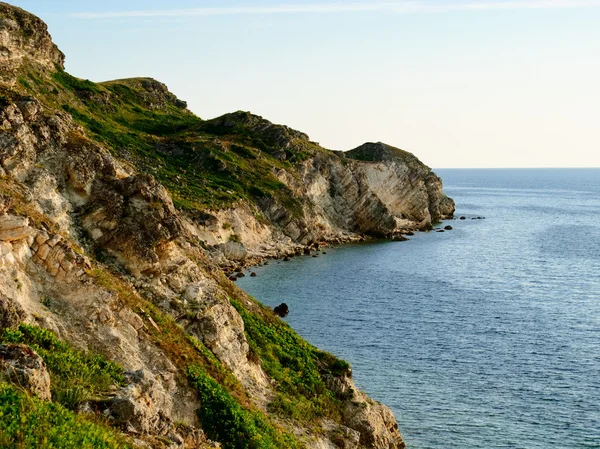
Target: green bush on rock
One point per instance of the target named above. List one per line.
(225, 420)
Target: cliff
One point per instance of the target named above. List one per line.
(118, 209)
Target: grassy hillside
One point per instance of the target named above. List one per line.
(204, 164)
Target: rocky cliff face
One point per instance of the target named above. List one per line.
(113, 244)
(374, 190)
(24, 40)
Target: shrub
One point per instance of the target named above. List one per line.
(225, 420)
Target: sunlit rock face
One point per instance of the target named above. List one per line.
(24, 40)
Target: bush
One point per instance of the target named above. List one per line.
(226, 421)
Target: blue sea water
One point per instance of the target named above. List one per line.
(486, 336)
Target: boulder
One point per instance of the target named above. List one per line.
(253, 274)
(14, 228)
(282, 310)
(462, 218)
(193, 293)
(22, 366)
(375, 423)
(233, 250)
(11, 313)
(448, 228)
(144, 403)
(399, 238)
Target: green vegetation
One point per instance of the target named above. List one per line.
(29, 423)
(377, 152)
(203, 164)
(181, 348)
(224, 420)
(297, 367)
(227, 414)
(75, 376)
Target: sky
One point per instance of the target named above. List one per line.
(459, 83)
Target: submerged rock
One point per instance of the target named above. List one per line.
(399, 238)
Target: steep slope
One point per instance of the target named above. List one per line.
(117, 203)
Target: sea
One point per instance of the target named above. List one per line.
(484, 336)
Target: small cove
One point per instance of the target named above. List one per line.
(485, 336)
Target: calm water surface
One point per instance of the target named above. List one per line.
(486, 336)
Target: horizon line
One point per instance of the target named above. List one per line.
(518, 168)
(398, 7)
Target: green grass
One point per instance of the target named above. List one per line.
(75, 376)
(297, 367)
(225, 420)
(203, 165)
(29, 423)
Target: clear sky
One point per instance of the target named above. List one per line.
(460, 83)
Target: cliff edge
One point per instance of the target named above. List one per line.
(118, 210)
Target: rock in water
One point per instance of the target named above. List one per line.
(282, 310)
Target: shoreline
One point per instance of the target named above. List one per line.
(234, 270)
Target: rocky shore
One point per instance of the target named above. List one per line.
(119, 209)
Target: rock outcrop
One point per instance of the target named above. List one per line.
(22, 366)
(24, 40)
(112, 251)
(373, 190)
